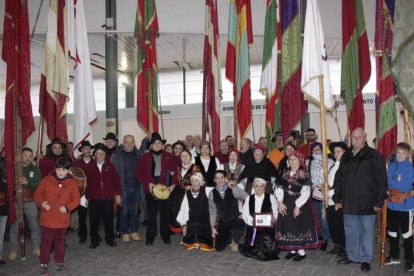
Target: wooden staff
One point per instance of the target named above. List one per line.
(150, 118)
(324, 144)
(236, 122)
(383, 233)
(39, 151)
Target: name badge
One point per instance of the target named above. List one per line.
(31, 174)
(264, 220)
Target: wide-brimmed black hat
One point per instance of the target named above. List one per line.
(85, 143)
(156, 136)
(220, 171)
(334, 145)
(100, 146)
(56, 141)
(110, 136)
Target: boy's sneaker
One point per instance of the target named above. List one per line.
(61, 268)
(408, 266)
(44, 270)
(391, 260)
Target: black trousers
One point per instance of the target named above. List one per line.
(336, 225)
(399, 223)
(228, 230)
(101, 208)
(154, 206)
(83, 228)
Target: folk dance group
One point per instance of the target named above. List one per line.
(255, 204)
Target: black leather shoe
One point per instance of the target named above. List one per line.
(299, 258)
(93, 245)
(82, 240)
(324, 246)
(111, 243)
(365, 267)
(290, 255)
(167, 241)
(334, 250)
(118, 235)
(148, 242)
(346, 261)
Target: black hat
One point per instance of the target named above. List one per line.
(179, 142)
(334, 145)
(56, 141)
(156, 136)
(85, 143)
(110, 136)
(100, 146)
(220, 171)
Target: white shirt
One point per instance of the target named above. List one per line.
(258, 202)
(184, 213)
(99, 166)
(300, 201)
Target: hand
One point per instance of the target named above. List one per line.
(22, 181)
(184, 229)
(39, 156)
(118, 199)
(377, 210)
(46, 206)
(296, 212)
(171, 188)
(232, 183)
(187, 188)
(214, 233)
(63, 209)
(151, 186)
(338, 206)
(282, 208)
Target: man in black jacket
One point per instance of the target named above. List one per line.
(360, 189)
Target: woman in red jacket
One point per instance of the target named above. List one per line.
(57, 195)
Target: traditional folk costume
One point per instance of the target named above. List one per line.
(157, 167)
(224, 203)
(259, 242)
(194, 213)
(301, 232)
(103, 186)
(400, 208)
(208, 168)
(183, 178)
(233, 170)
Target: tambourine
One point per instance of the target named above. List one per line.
(161, 192)
(80, 177)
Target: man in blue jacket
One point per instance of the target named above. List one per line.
(360, 189)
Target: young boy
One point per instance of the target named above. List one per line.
(57, 195)
(400, 206)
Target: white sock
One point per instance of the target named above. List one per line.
(301, 252)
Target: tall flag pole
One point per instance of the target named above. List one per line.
(386, 109)
(270, 69)
(356, 63)
(19, 123)
(212, 75)
(146, 32)
(54, 82)
(240, 36)
(402, 59)
(84, 115)
(293, 105)
(316, 85)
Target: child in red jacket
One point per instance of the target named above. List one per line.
(57, 195)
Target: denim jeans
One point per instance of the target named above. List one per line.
(322, 217)
(3, 222)
(131, 197)
(359, 237)
(32, 213)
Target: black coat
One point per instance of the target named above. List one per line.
(361, 182)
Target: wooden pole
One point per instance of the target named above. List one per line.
(324, 145)
(150, 117)
(39, 151)
(407, 127)
(236, 119)
(383, 233)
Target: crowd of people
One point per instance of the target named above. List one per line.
(256, 199)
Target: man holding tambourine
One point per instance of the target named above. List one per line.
(156, 171)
